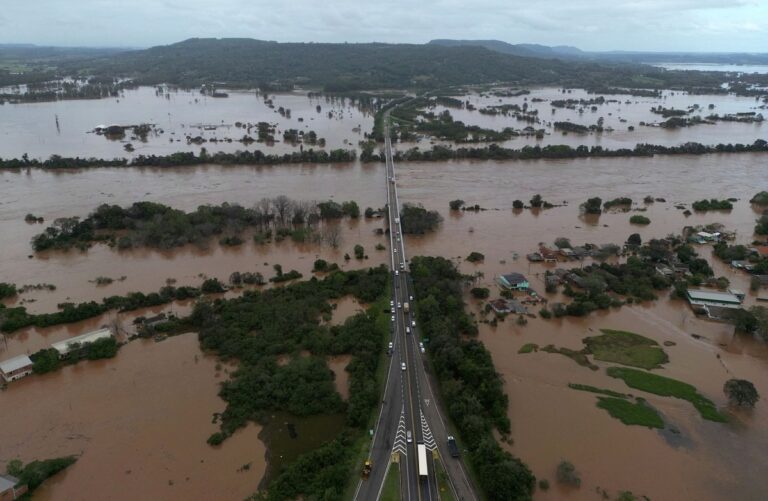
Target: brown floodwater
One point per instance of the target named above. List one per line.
(139, 423)
(32, 127)
(550, 422)
(628, 111)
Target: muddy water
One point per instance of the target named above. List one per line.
(709, 460)
(628, 111)
(31, 127)
(139, 423)
(338, 365)
(551, 422)
(53, 195)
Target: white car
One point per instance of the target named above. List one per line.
(413, 323)
(408, 436)
(397, 273)
(391, 345)
(407, 330)
(421, 347)
(399, 305)
(402, 366)
(392, 304)
(393, 318)
(411, 297)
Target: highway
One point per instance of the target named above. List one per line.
(410, 414)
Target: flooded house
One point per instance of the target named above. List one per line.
(15, 368)
(504, 306)
(513, 281)
(10, 489)
(71, 344)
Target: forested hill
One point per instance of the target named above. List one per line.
(343, 67)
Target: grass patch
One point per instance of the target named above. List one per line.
(626, 348)
(580, 357)
(391, 489)
(668, 387)
(629, 413)
(594, 389)
(528, 348)
(443, 485)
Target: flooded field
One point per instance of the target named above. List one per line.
(64, 127)
(138, 422)
(164, 384)
(551, 422)
(619, 112)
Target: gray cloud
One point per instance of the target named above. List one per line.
(725, 25)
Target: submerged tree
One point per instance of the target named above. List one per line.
(741, 392)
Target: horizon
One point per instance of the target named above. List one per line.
(596, 25)
(603, 51)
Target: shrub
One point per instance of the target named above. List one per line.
(475, 257)
(760, 198)
(741, 392)
(593, 205)
(480, 292)
(544, 484)
(639, 219)
(518, 204)
(567, 474)
(359, 251)
(456, 204)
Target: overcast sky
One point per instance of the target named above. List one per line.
(656, 25)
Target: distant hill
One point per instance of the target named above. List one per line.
(247, 62)
(636, 57)
(240, 61)
(341, 67)
(524, 50)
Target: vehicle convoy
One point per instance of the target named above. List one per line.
(453, 449)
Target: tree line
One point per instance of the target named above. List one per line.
(471, 388)
(150, 224)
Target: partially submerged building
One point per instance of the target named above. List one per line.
(508, 306)
(10, 489)
(15, 368)
(715, 304)
(513, 281)
(69, 345)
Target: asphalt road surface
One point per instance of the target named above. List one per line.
(410, 414)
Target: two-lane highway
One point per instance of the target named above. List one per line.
(410, 433)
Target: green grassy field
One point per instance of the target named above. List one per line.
(580, 357)
(668, 387)
(391, 490)
(626, 348)
(528, 348)
(593, 389)
(637, 413)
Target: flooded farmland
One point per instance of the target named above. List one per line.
(154, 434)
(139, 424)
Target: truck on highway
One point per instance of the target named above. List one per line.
(453, 449)
(422, 452)
(397, 220)
(406, 307)
(367, 467)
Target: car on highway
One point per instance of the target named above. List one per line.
(411, 298)
(397, 273)
(408, 436)
(395, 250)
(399, 305)
(392, 304)
(402, 366)
(393, 318)
(421, 347)
(413, 323)
(407, 330)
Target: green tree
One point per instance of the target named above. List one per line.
(456, 204)
(741, 392)
(593, 205)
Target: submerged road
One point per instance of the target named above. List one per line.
(410, 433)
